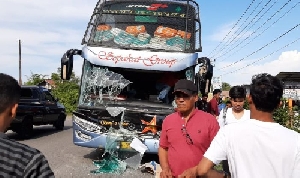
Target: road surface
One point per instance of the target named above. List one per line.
(67, 159)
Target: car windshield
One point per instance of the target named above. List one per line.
(144, 25)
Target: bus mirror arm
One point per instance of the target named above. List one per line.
(67, 63)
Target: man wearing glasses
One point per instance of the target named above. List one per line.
(186, 134)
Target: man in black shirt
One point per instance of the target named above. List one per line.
(16, 159)
(202, 103)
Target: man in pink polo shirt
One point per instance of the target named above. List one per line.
(186, 134)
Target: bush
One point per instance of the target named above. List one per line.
(286, 117)
(67, 93)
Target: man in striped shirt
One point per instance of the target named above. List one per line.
(16, 159)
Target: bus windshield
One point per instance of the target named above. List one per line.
(100, 84)
(141, 25)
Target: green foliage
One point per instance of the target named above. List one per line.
(281, 115)
(225, 100)
(226, 86)
(67, 92)
(286, 117)
(218, 167)
(35, 79)
(246, 105)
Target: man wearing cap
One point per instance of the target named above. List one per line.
(186, 134)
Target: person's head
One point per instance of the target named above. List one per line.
(185, 92)
(9, 99)
(217, 93)
(265, 93)
(204, 97)
(237, 96)
(228, 104)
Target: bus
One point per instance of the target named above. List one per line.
(128, 46)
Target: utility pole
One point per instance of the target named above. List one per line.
(20, 64)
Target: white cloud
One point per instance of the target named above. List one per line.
(47, 29)
(288, 61)
(46, 10)
(231, 32)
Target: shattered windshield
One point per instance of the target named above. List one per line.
(144, 25)
(108, 85)
(99, 85)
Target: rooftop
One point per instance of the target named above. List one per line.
(289, 76)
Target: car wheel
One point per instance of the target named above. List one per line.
(26, 128)
(60, 122)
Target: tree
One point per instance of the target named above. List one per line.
(35, 79)
(68, 93)
(226, 86)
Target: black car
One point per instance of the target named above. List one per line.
(37, 106)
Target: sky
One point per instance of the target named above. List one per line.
(240, 48)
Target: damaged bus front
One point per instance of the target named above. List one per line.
(128, 47)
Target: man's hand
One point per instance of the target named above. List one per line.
(189, 173)
(166, 173)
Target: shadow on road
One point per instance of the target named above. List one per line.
(97, 155)
(38, 131)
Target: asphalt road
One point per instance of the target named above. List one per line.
(67, 159)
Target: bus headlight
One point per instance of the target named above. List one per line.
(86, 125)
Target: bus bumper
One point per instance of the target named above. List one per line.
(84, 136)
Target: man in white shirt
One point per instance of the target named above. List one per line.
(257, 147)
(236, 113)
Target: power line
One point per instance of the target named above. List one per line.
(260, 28)
(232, 40)
(262, 58)
(245, 31)
(235, 31)
(233, 27)
(262, 47)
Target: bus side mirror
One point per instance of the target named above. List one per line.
(66, 66)
(67, 63)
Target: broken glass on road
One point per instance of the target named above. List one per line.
(123, 148)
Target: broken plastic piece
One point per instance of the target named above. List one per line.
(138, 146)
